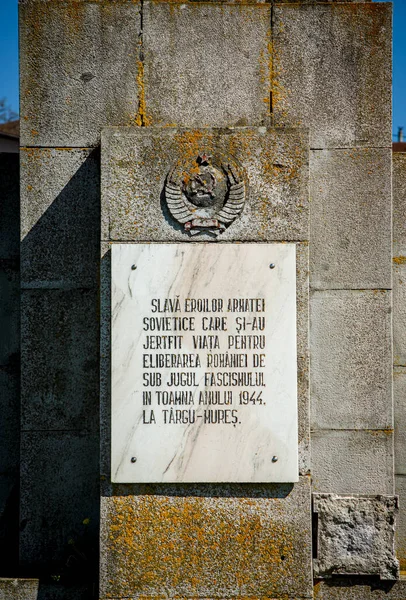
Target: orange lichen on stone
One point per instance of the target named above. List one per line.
(399, 260)
(142, 119)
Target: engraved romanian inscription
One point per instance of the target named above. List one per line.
(204, 375)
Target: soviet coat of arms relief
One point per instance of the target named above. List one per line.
(207, 195)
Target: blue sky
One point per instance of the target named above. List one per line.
(9, 53)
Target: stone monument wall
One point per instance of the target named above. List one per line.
(315, 76)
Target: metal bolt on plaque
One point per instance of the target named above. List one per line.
(205, 196)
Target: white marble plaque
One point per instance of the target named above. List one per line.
(204, 372)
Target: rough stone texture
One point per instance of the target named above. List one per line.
(351, 358)
(359, 588)
(211, 66)
(59, 506)
(399, 399)
(135, 164)
(60, 217)
(352, 462)
(399, 259)
(207, 541)
(60, 354)
(350, 218)
(302, 308)
(80, 70)
(332, 72)
(400, 533)
(399, 207)
(19, 589)
(355, 535)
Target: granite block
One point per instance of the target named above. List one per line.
(359, 588)
(352, 462)
(351, 359)
(400, 534)
(208, 541)
(399, 207)
(399, 312)
(399, 401)
(59, 508)
(60, 217)
(19, 589)
(350, 218)
(80, 70)
(355, 535)
(206, 66)
(332, 72)
(60, 357)
(9, 206)
(136, 163)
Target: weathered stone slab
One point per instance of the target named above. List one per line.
(60, 217)
(59, 505)
(352, 462)
(351, 359)
(207, 541)
(9, 206)
(399, 311)
(221, 57)
(350, 218)
(355, 535)
(399, 401)
(359, 588)
(19, 589)
(59, 387)
(332, 72)
(136, 163)
(80, 70)
(399, 207)
(400, 533)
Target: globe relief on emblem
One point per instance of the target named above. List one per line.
(205, 197)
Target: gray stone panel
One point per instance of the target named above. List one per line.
(207, 541)
(351, 359)
(59, 505)
(60, 217)
(9, 206)
(136, 162)
(19, 589)
(80, 70)
(399, 312)
(60, 357)
(400, 535)
(332, 72)
(355, 535)
(352, 462)
(359, 588)
(399, 400)
(399, 207)
(206, 66)
(302, 295)
(350, 218)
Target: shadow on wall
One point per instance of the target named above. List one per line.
(59, 499)
(9, 362)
